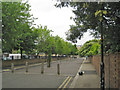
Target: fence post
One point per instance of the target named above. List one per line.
(58, 69)
(12, 67)
(42, 68)
(26, 66)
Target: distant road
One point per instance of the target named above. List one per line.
(50, 79)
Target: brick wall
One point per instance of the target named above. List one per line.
(7, 63)
(112, 69)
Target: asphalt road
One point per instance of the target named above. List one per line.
(49, 79)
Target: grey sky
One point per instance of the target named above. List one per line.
(56, 19)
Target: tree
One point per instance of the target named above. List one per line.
(63, 48)
(90, 48)
(17, 30)
(26, 42)
(58, 45)
(9, 24)
(43, 40)
(66, 48)
(74, 50)
(16, 24)
(88, 18)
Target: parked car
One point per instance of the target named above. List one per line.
(6, 58)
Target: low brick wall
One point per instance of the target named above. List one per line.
(112, 69)
(7, 63)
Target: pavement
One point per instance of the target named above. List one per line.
(89, 79)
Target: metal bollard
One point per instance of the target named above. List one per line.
(12, 67)
(58, 69)
(42, 68)
(26, 66)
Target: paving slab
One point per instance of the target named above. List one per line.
(89, 79)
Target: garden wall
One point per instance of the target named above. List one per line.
(112, 69)
(7, 63)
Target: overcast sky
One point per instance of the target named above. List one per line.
(56, 19)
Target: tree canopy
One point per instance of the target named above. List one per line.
(90, 48)
(19, 34)
(47, 43)
(16, 30)
(89, 15)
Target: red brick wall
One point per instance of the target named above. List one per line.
(112, 69)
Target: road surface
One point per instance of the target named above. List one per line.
(49, 79)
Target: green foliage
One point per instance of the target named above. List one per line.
(19, 36)
(89, 15)
(16, 30)
(58, 45)
(47, 43)
(62, 47)
(90, 48)
(44, 39)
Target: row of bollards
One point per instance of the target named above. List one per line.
(58, 69)
(12, 67)
(26, 64)
(42, 68)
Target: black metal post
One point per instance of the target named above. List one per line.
(102, 61)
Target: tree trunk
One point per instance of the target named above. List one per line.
(21, 52)
(49, 59)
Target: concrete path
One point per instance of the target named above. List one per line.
(89, 79)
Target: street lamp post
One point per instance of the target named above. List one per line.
(102, 59)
